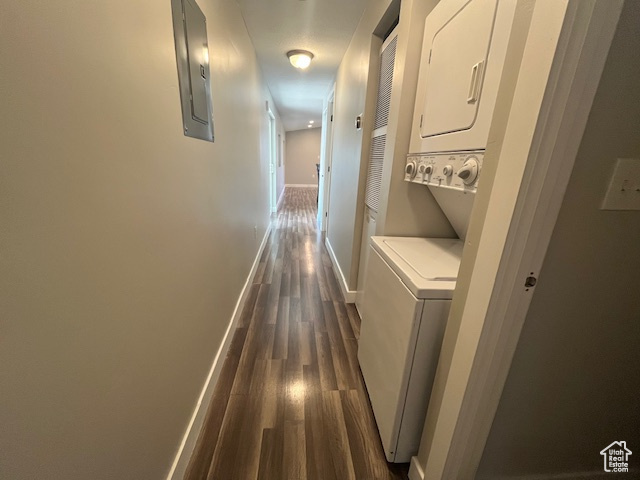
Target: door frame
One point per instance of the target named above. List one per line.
(566, 51)
(326, 151)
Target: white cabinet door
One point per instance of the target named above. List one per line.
(456, 66)
(390, 317)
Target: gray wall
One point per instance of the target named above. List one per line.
(302, 154)
(124, 244)
(405, 209)
(573, 387)
(353, 91)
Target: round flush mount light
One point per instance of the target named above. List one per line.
(300, 58)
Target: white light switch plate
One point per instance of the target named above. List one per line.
(624, 189)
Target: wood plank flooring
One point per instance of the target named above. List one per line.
(290, 403)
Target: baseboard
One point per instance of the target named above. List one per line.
(594, 475)
(416, 473)
(301, 185)
(415, 470)
(187, 446)
(349, 295)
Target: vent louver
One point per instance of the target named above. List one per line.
(385, 80)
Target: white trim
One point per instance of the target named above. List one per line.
(326, 152)
(279, 204)
(415, 470)
(301, 185)
(349, 295)
(561, 67)
(188, 443)
(273, 161)
(593, 475)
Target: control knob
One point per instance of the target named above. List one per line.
(469, 171)
(410, 169)
(447, 170)
(429, 169)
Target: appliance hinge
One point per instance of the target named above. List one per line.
(332, 117)
(421, 117)
(328, 168)
(430, 51)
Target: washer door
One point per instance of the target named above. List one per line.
(390, 321)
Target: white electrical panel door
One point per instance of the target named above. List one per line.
(463, 53)
(454, 78)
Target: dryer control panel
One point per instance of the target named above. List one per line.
(458, 171)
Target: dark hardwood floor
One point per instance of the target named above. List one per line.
(290, 402)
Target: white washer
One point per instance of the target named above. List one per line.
(410, 282)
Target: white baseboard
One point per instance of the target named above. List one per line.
(595, 475)
(416, 473)
(301, 185)
(349, 295)
(415, 470)
(187, 446)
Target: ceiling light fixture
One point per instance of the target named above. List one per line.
(309, 126)
(310, 121)
(300, 58)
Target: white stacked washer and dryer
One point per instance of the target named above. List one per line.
(410, 281)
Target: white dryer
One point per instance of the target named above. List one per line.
(463, 54)
(410, 282)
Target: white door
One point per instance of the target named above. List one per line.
(325, 166)
(368, 230)
(272, 163)
(376, 156)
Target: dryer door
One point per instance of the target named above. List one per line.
(455, 73)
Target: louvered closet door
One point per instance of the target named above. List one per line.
(379, 137)
(376, 156)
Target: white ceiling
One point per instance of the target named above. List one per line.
(323, 27)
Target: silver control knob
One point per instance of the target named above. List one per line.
(469, 171)
(429, 169)
(447, 170)
(421, 168)
(410, 170)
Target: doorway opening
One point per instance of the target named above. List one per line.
(324, 182)
(272, 163)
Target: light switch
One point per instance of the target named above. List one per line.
(624, 189)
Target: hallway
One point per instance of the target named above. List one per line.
(290, 402)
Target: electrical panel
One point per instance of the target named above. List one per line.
(192, 55)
